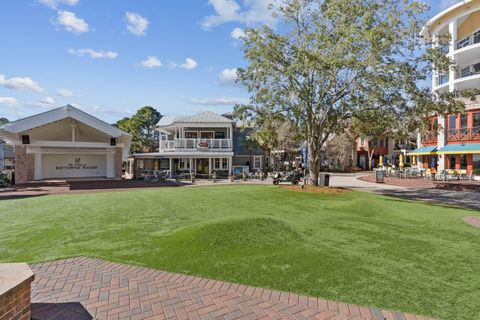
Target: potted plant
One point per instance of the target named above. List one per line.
(192, 177)
(476, 174)
(232, 178)
(214, 177)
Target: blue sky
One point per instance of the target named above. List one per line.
(111, 57)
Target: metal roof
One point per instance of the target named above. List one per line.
(61, 113)
(204, 117)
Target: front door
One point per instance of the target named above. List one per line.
(202, 166)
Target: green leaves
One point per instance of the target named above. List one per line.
(142, 128)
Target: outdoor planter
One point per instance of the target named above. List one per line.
(192, 178)
(232, 178)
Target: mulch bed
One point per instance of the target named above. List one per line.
(473, 221)
(314, 189)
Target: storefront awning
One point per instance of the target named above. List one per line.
(423, 150)
(463, 148)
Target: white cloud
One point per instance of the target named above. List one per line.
(189, 64)
(18, 83)
(71, 22)
(237, 33)
(222, 101)
(253, 12)
(48, 101)
(65, 93)
(151, 62)
(8, 101)
(228, 76)
(55, 3)
(95, 54)
(137, 24)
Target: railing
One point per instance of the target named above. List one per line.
(464, 134)
(429, 137)
(469, 71)
(469, 40)
(442, 79)
(196, 144)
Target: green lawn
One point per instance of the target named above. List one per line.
(357, 247)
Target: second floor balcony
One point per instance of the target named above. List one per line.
(468, 71)
(469, 40)
(429, 137)
(196, 145)
(463, 134)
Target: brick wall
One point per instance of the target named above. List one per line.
(24, 165)
(118, 163)
(15, 303)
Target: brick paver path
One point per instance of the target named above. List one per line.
(84, 288)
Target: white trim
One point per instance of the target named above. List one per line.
(70, 144)
(255, 158)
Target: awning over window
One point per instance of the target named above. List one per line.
(463, 148)
(423, 150)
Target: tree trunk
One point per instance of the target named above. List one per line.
(314, 160)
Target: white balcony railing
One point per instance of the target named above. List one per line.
(469, 40)
(196, 144)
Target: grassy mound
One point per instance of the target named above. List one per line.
(237, 233)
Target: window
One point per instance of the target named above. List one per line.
(220, 164)
(184, 164)
(476, 161)
(476, 119)
(190, 135)
(219, 135)
(465, 72)
(476, 37)
(140, 164)
(452, 119)
(452, 161)
(257, 162)
(362, 142)
(463, 121)
(206, 135)
(463, 161)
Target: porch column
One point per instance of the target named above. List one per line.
(191, 164)
(170, 167)
(209, 166)
(230, 165)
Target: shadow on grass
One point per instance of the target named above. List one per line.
(59, 311)
(450, 199)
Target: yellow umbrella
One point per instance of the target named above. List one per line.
(414, 160)
(380, 164)
(401, 164)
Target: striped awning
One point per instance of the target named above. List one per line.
(461, 148)
(423, 151)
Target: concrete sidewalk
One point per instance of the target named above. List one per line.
(469, 200)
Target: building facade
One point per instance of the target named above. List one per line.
(201, 144)
(454, 139)
(368, 151)
(65, 143)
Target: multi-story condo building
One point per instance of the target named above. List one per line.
(201, 145)
(454, 141)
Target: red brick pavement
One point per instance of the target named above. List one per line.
(83, 288)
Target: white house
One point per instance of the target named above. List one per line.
(66, 143)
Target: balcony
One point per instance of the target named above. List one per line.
(468, 71)
(196, 145)
(429, 138)
(469, 40)
(463, 134)
(441, 80)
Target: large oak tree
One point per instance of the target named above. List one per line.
(333, 60)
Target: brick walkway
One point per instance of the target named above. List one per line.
(84, 288)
